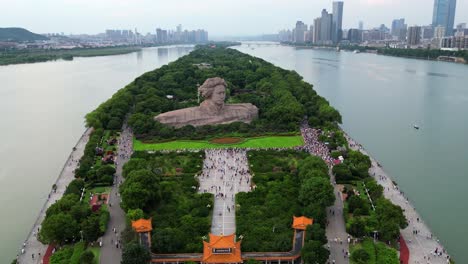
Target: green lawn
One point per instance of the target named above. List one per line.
(260, 142)
(96, 190)
(97, 254)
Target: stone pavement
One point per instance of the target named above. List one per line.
(32, 245)
(225, 173)
(111, 251)
(336, 229)
(422, 245)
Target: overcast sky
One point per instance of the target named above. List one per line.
(219, 17)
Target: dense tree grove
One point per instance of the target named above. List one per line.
(134, 253)
(67, 217)
(162, 186)
(282, 97)
(290, 184)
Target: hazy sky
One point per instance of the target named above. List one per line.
(219, 17)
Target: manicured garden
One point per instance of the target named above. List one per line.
(287, 184)
(368, 252)
(259, 142)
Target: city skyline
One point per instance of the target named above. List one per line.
(258, 17)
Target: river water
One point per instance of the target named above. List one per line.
(380, 99)
(42, 107)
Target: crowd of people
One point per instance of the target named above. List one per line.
(313, 145)
(225, 173)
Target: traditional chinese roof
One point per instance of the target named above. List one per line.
(301, 222)
(222, 249)
(142, 225)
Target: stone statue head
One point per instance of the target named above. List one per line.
(214, 90)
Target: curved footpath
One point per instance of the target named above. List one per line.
(422, 246)
(31, 244)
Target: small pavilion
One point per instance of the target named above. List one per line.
(143, 227)
(222, 249)
(301, 222)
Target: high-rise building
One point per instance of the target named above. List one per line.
(414, 35)
(399, 29)
(444, 15)
(355, 36)
(337, 21)
(299, 32)
(326, 24)
(317, 28)
(361, 25)
(427, 32)
(439, 32)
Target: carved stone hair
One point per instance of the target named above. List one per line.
(206, 90)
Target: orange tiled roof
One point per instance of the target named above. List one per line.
(142, 225)
(302, 222)
(233, 254)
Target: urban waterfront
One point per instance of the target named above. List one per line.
(380, 99)
(43, 106)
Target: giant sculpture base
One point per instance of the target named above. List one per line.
(198, 116)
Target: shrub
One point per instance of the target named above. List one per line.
(360, 256)
(87, 257)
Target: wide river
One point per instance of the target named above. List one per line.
(42, 107)
(380, 98)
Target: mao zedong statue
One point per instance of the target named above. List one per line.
(212, 111)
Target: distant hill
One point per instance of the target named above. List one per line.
(19, 35)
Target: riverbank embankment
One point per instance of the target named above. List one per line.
(32, 245)
(424, 247)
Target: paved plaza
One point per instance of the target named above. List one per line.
(423, 245)
(225, 173)
(31, 245)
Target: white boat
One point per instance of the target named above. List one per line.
(416, 126)
(356, 51)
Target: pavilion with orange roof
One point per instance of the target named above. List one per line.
(301, 222)
(222, 249)
(143, 227)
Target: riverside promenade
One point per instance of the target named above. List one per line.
(31, 244)
(422, 246)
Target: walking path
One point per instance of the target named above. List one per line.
(33, 250)
(338, 242)
(225, 173)
(336, 228)
(111, 251)
(424, 247)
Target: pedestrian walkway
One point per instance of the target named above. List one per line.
(111, 251)
(338, 239)
(225, 173)
(32, 250)
(423, 246)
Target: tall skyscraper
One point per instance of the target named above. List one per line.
(414, 35)
(361, 25)
(299, 32)
(337, 21)
(399, 29)
(317, 28)
(444, 15)
(326, 24)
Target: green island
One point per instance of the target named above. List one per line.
(176, 201)
(40, 55)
